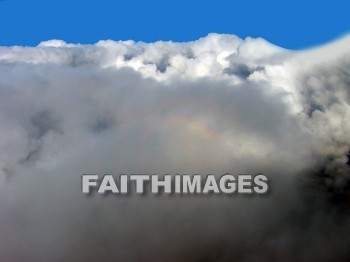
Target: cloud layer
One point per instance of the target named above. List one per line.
(216, 105)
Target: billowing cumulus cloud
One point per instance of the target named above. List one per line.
(212, 106)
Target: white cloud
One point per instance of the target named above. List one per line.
(219, 104)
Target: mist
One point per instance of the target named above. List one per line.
(216, 105)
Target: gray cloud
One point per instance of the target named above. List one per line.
(216, 105)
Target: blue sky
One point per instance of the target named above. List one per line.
(290, 24)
